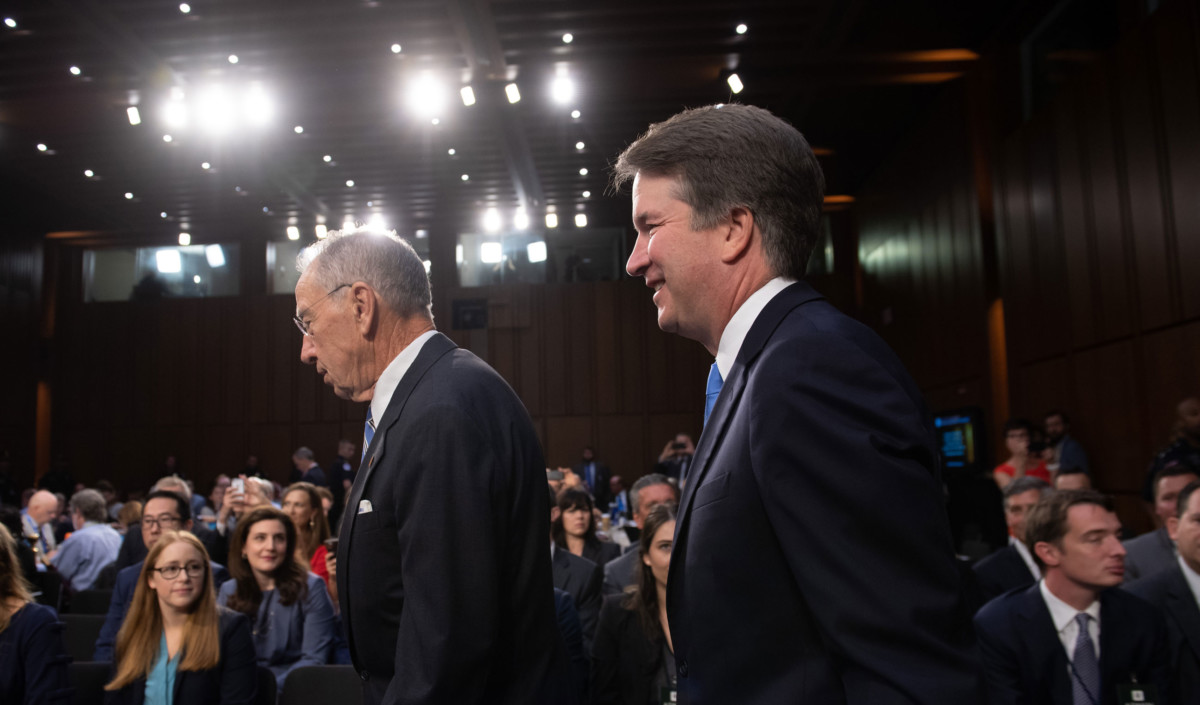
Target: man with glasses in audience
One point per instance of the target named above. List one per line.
(134, 550)
(163, 511)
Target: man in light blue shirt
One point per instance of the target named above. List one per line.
(92, 546)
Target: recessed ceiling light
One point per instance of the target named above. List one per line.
(741, 29)
(328, 158)
(185, 239)
(580, 220)
(436, 121)
(75, 71)
(298, 129)
(89, 173)
(135, 117)
(163, 215)
(451, 151)
(395, 48)
(41, 147)
(167, 138)
(568, 38)
(735, 83)
(465, 177)
(583, 171)
(10, 22)
(468, 95)
(128, 196)
(579, 146)
(185, 8)
(349, 183)
(293, 232)
(551, 220)
(233, 58)
(575, 114)
(587, 194)
(205, 165)
(513, 93)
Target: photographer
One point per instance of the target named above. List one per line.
(676, 457)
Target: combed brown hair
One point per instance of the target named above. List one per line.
(309, 538)
(291, 578)
(1047, 520)
(643, 598)
(14, 590)
(138, 640)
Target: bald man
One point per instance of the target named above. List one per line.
(36, 520)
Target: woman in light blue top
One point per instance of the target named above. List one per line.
(289, 607)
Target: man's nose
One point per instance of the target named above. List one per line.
(308, 353)
(638, 259)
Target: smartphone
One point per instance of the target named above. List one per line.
(678, 446)
(238, 485)
(554, 475)
(331, 544)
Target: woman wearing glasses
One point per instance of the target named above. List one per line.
(288, 606)
(177, 647)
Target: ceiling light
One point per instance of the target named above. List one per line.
(293, 232)
(233, 58)
(458, 254)
(426, 97)
(579, 146)
(213, 110)
(135, 118)
(451, 151)
(436, 121)
(89, 173)
(256, 106)
(185, 8)
(349, 183)
(491, 220)
(741, 29)
(422, 234)
(551, 220)
(428, 266)
(377, 223)
(327, 158)
(298, 129)
(185, 239)
(568, 38)
(491, 252)
(321, 231)
(174, 114)
(10, 22)
(168, 261)
(215, 256)
(735, 83)
(370, 204)
(536, 251)
(468, 96)
(205, 165)
(163, 215)
(587, 194)
(466, 177)
(395, 48)
(196, 279)
(521, 219)
(583, 171)
(513, 93)
(41, 147)
(167, 138)
(581, 220)
(562, 90)
(348, 226)
(128, 196)
(75, 71)
(575, 114)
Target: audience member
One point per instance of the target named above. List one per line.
(307, 469)
(92, 546)
(1039, 645)
(326, 505)
(1012, 566)
(1184, 446)
(571, 630)
(38, 525)
(647, 493)
(341, 478)
(1175, 591)
(1155, 551)
(112, 502)
(33, 660)
(619, 506)
(676, 456)
(11, 519)
(595, 475)
(1067, 451)
(574, 528)
(62, 523)
(578, 576)
(216, 497)
(165, 511)
(133, 550)
(242, 495)
(289, 608)
(177, 646)
(302, 503)
(1017, 435)
(1072, 479)
(633, 659)
(130, 514)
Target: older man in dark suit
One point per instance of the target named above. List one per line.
(443, 575)
(812, 558)
(1012, 566)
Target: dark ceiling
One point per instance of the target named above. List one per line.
(851, 75)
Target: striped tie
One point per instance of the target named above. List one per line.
(1085, 686)
(368, 433)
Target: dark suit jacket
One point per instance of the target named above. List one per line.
(445, 583)
(133, 549)
(1025, 662)
(601, 492)
(122, 598)
(233, 682)
(601, 552)
(812, 558)
(625, 662)
(620, 573)
(1168, 590)
(1148, 554)
(1002, 571)
(583, 580)
(572, 633)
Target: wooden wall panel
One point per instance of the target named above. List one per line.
(1075, 226)
(1171, 364)
(1104, 382)
(1050, 304)
(621, 442)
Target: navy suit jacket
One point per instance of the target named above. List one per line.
(583, 580)
(1002, 571)
(1168, 590)
(1025, 662)
(443, 564)
(812, 558)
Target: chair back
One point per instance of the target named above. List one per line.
(91, 601)
(88, 679)
(80, 633)
(310, 685)
(267, 685)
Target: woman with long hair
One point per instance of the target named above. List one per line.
(289, 609)
(302, 502)
(574, 528)
(33, 660)
(633, 659)
(177, 647)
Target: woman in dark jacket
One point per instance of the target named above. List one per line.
(633, 660)
(574, 528)
(177, 647)
(33, 661)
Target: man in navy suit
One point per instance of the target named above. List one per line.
(442, 570)
(1176, 593)
(1071, 639)
(812, 558)
(1012, 566)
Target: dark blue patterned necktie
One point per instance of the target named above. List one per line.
(713, 391)
(1085, 686)
(368, 433)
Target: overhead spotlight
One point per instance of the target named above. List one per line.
(536, 251)
(89, 173)
(349, 183)
(491, 220)
(75, 71)
(735, 83)
(10, 23)
(327, 158)
(196, 279)
(513, 93)
(163, 215)
(451, 151)
(568, 38)
(575, 114)
(128, 196)
(215, 256)
(377, 223)
(579, 146)
(491, 252)
(581, 220)
(205, 166)
(257, 106)
(370, 204)
(213, 110)
(422, 234)
(521, 219)
(168, 138)
(552, 220)
(298, 129)
(562, 90)
(41, 147)
(293, 232)
(185, 239)
(436, 121)
(583, 171)
(741, 29)
(426, 96)
(586, 194)
(395, 48)
(174, 114)
(458, 254)
(185, 8)
(466, 177)
(468, 96)
(168, 261)
(321, 231)
(428, 266)
(233, 58)
(348, 226)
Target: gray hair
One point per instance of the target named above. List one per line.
(174, 483)
(304, 453)
(728, 156)
(91, 505)
(654, 478)
(384, 261)
(1022, 485)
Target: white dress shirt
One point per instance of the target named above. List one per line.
(1063, 616)
(735, 331)
(1191, 576)
(386, 385)
(1026, 556)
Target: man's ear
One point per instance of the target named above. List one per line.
(1048, 552)
(366, 304)
(740, 233)
(554, 513)
(1173, 528)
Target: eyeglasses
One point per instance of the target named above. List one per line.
(304, 326)
(194, 570)
(166, 521)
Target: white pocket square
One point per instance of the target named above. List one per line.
(364, 507)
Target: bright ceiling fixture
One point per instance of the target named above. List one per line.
(551, 220)
(466, 177)
(513, 93)
(491, 220)
(205, 166)
(293, 233)
(41, 147)
(491, 253)
(587, 194)
(185, 239)
(75, 71)
(135, 117)
(468, 96)
(128, 196)
(562, 90)
(583, 171)
(349, 183)
(321, 231)
(10, 23)
(575, 114)
(213, 110)
(451, 151)
(168, 139)
(426, 96)
(168, 261)
(327, 158)
(521, 219)
(89, 173)
(233, 58)
(185, 8)
(257, 106)
(215, 256)
(298, 129)
(395, 48)
(581, 220)
(741, 29)
(579, 146)
(735, 83)
(568, 38)
(536, 251)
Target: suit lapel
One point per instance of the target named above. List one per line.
(1181, 606)
(1045, 650)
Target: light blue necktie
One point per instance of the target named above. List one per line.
(713, 391)
(1085, 685)
(368, 433)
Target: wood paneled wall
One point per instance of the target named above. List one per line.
(21, 353)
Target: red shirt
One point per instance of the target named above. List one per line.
(317, 564)
(1040, 471)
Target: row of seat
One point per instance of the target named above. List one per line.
(309, 685)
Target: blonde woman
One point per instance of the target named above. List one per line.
(33, 661)
(177, 647)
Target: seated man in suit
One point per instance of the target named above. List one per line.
(647, 493)
(134, 550)
(595, 475)
(1012, 566)
(1072, 479)
(163, 511)
(1176, 593)
(579, 577)
(1149, 553)
(1070, 639)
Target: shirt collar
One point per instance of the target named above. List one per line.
(385, 387)
(738, 326)
(1191, 576)
(1063, 614)
(1023, 551)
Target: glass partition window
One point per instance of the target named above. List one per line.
(537, 258)
(151, 273)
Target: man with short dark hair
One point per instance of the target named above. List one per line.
(133, 549)
(1072, 479)
(1068, 453)
(1012, 566)
(1176, 593)
(92, 546)
(647, 493)
(1155, 551)
(1070, 639)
